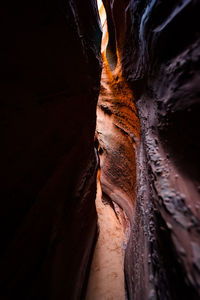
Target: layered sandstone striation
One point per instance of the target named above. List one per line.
(117, 133)
(118, 136)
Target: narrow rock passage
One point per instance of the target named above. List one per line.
(117, 132)
(107, 271)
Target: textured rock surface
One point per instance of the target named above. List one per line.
(118, 133)
(50, 74)
(161, 62)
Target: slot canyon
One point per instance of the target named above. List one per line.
(100, 150)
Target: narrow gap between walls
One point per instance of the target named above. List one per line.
(106, 279)
(117, 133)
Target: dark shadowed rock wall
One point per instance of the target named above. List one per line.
(50, 79)
(50, 76)
(157, 44)
(161, 60)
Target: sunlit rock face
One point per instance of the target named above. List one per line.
(160, 58)
(50, 76)
(117, 124)
(118, 134)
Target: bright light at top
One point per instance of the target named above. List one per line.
(103, 18)
(99, 3)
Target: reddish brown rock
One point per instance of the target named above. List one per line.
(118, 133)
(50, 80)
(158, 46)
(161, 63)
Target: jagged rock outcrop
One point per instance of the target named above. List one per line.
(50, 76)
(160, 59)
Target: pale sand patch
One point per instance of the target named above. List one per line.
(106, 280)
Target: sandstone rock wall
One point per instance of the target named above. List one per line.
(50, 76)
(50, 79)
(158, 47)
(160, 59)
